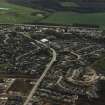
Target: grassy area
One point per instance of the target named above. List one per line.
(18, 14)
(21, 14)
(100, 66)
(71, 17)
(3, 66)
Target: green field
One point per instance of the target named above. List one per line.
(100, 65)
(70, 17)
(19, 14)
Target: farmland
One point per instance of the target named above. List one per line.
(71, 17)
(18, 14)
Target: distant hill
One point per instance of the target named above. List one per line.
(43, 4)
(82, 0)
(56, 5)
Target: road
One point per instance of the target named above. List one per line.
(48, 66)
(75, 54)
(85, 48)
(18, 76)
(25, 54)
(10, 84)
(33, 91)
(5, 40)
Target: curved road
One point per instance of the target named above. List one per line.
(48, 66)
(42, 77)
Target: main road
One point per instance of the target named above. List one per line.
(48, 66)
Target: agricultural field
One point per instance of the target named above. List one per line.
(19, 13)
(72, 17)
(11, 13)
